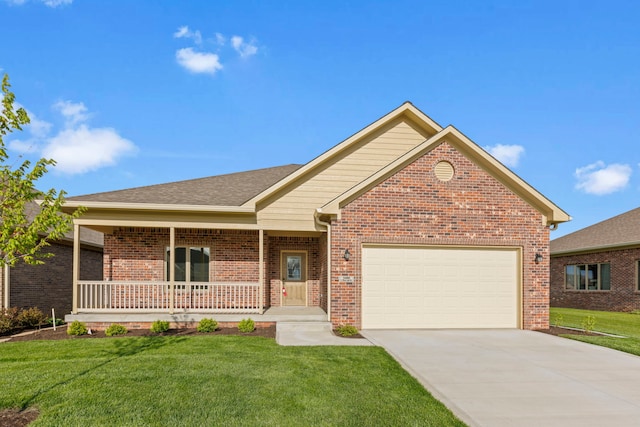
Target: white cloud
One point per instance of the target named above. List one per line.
(73, 112)
(49, 3)
(84, 149)
(198, 62)
(56, 3)
(220, 39)
(507, 154)
(245, 50)
(78, 148)
(185, 32)
(599, 179)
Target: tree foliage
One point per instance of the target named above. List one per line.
(26, 231)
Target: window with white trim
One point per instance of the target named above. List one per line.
(191, 264)
(588, 277)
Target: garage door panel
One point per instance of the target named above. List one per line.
(439, 288)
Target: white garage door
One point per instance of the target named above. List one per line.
(418, 287)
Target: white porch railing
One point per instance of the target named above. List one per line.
(136, 297)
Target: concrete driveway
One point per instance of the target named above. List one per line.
(519, 378)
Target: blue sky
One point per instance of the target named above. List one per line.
(125, 94)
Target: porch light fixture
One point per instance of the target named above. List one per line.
(538, 258)
(346, 255)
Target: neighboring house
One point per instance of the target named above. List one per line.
(405, 224)
(50, 285)
(598, 267)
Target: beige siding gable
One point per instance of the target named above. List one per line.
(293, 207)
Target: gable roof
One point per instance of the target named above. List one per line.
(87, 236)
(222, 190)
(617, 232)
(552, 213)
(407, 110)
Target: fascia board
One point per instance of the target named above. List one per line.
(467, 147)
(72, 205)
(406, 109)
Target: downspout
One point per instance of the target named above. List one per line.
(327, 225)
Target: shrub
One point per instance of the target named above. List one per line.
(50, 320)
(159, 326)
(588, 323)
(346, 330)
(207, 325)
(115, 329)
(8, 319)
(77, 328)
(558, 320)
(31, 318)
(246, 325)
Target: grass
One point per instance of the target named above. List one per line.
(201, 381)
(624, 324)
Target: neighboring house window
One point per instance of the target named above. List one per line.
(588, 277)
(191, 265)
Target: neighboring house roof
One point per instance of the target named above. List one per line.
(87, 236)
(222, 190)
(617, 232)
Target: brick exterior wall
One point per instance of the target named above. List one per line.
(623, 295)
(50, 285)
(316, 290)
(414, 207)
(138, 254)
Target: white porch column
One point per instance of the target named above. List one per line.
(172, 268)
(261, 264)
(76, 267)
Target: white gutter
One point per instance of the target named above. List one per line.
(327, 225)
(156, 206)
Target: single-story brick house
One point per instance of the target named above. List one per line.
(50, 285)
(598, 267)
(404, 224)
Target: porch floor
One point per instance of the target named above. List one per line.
(272, 314)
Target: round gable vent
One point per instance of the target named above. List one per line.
(444, 171)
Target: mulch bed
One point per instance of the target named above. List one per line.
(61, 334)
(554, 330)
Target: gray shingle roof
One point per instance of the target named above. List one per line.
(87, 236)
(620, 230)
(222, 190)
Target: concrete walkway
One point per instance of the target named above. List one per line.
(519, 378)
(312, 333)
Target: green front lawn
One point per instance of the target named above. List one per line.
(206, 381)
(625, 324)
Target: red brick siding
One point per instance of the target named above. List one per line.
(623, 295)
(311, 245)
(414, 207)
(50, 285)
(139, 253)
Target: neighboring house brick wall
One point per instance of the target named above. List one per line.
(623, 295)
(50, 285)
(311, 245)
(414, 207)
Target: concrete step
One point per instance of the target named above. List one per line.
(310, 326)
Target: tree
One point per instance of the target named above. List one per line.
(24, 235)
